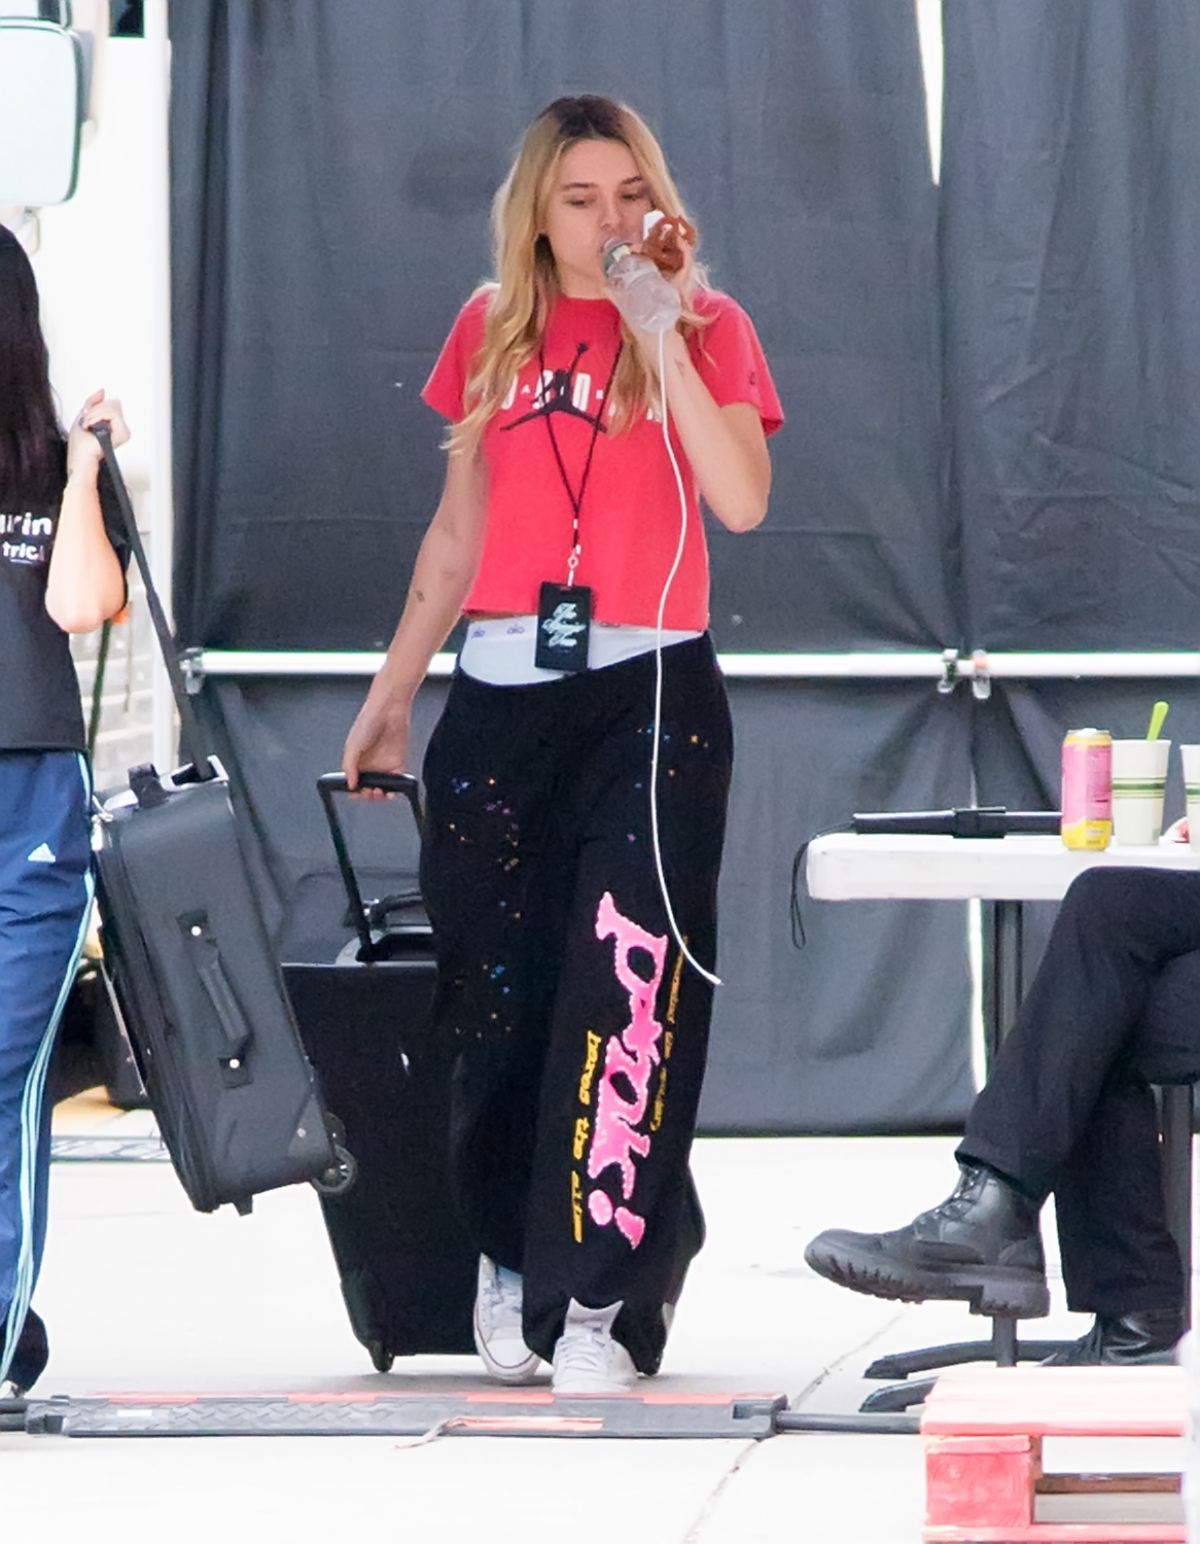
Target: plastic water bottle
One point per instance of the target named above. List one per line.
(641, 294)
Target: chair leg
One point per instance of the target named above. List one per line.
(1176, 1121)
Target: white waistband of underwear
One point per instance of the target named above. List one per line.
(499, 650)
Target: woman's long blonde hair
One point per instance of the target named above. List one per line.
(526, 283)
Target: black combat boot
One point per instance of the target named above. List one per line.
(1148, 1338)
(982, 1244)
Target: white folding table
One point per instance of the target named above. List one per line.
(1006, 871)
(846, 867)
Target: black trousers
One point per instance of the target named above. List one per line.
(1115, 1005)
(579, 1033)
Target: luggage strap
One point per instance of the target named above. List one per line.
(190, 735)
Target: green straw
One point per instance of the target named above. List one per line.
(1157, 715)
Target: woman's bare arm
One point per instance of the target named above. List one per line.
(442, 577)
(85, 584)
(725, 445)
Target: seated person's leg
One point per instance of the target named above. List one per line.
(1119, 1260)
(1116, 929)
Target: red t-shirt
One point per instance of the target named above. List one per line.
(629, 520)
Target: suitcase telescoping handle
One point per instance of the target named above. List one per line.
(189, 725)
(331, 783)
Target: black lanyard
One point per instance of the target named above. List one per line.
(576, 499)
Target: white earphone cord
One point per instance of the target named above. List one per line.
(658, 671)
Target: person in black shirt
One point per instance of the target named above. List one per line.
(62, 570)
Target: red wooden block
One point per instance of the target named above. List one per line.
(983, 1433)
(973, 1481)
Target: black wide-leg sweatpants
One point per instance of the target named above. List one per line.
(579, 1032)
(1068, 1108)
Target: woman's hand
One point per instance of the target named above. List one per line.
(671, 247)
(83, 448)
(377, 742)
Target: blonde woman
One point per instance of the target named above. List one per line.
(579, 1027)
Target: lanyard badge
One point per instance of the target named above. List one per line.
(565, 610)
(563, 626)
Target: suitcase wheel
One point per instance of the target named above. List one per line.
(340, 1175)
(381, 1357)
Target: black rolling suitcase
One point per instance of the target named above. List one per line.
(193, 974)
(407, 1269)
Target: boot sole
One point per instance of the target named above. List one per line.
(992, 1290)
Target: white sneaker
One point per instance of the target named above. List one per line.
(499, 1338)
(587, 1360)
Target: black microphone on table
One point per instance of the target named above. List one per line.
(991, 820)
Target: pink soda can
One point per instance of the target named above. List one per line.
(1087, 790)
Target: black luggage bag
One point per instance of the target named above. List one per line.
(193, 974)
(407, 1269)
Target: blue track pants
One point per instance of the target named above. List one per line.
(45, 901)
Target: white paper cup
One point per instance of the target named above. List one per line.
(1139, 774)
(1191, 785)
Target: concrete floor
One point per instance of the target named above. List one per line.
(143, 1294)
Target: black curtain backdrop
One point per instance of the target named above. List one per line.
(993, 441)
(1070, 228)
(332, 167)
(862, 1029)
(865, 1029)
(1017, 744)
(1070, 235)
(1018, 733)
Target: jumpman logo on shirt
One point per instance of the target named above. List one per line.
(555, 396)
